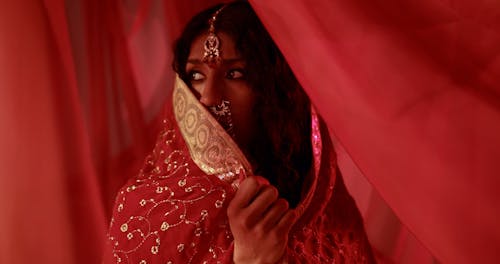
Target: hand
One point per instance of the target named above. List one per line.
(260, 222)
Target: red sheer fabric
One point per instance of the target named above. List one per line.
(411, 90)
(79, 107)
(51, 211)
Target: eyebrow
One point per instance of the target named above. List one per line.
(224, 61)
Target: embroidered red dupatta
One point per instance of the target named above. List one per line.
(174, 211)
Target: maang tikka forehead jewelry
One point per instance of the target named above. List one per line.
(212, 53)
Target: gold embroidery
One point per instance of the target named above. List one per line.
(164, 226)
(180, 247)
(154, 250)
(211, 148)
(167, 197)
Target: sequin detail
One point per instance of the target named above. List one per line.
(169, 197)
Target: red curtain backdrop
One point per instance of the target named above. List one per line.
(50, 205)
(409, 89)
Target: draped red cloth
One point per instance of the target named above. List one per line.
(175, 209)
(410, 90)
(51, 207)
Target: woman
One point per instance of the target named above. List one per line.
(244, 170)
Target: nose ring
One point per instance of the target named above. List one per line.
(222, 113)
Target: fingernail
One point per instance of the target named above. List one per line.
(262, 180)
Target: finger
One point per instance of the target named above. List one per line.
(286, 222)
(263, 200)
(261, 180)
(246, 193)
(274, 214)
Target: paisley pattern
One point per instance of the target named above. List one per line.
(211, 148)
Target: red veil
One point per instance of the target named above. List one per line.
(174, 210)
(410, 90)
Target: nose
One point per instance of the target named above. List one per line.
(211, 93)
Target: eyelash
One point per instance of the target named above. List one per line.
(191, 76)
(229, 75)
(233, 71)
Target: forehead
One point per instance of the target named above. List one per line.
(227, 46)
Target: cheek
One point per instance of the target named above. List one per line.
(242, 97)
(243, 110)
(245, 104)
(196, 89)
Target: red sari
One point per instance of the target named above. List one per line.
(174, 211)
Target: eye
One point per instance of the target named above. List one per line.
(235, 74)
(196, 76)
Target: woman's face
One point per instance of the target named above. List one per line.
(225, 81)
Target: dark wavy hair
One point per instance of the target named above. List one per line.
(282, 146)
